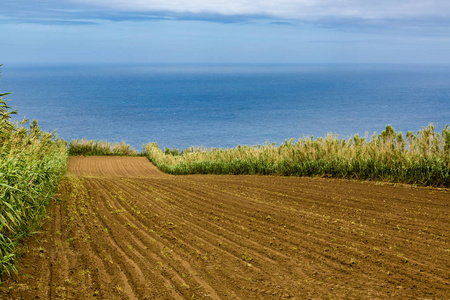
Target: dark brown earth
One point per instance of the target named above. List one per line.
(124, 230)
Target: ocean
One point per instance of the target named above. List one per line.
(215, 105)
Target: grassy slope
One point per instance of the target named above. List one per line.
(93, 147)
(31, 164)
(422, 158)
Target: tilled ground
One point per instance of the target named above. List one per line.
(124, 230)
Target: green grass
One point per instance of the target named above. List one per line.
(422, 158)
(92, 147)
(31, 163)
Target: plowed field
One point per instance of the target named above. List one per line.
(124, 230)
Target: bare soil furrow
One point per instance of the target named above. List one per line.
(203, 242)
(356, 256)
(198, 231)
(124, 230)
(136, 233)
(207, 247)
(132, 250)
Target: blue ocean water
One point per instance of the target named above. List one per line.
(215, 105)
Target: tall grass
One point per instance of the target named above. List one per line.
(93, 147)
(31, 164)
(422, 158)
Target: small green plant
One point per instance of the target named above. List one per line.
(247, 258)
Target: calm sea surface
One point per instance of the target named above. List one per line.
(227, 105)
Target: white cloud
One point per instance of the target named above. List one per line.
(290, 9)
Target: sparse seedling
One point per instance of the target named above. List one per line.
(246, 258)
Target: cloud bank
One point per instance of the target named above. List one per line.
(327, 13)
(338, 31)
(287, 9)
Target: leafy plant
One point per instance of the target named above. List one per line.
(31, 163)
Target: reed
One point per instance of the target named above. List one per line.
(31, 163)
(422, 158)
(92, 147)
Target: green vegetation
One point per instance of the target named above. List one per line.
(31, 164)
(93, 147)
(422, 158)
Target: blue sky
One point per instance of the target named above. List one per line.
(225, 31)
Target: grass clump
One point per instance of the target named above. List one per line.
(31, 163)
(422, 158)
(92, 147)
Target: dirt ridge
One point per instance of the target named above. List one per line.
(124, 230)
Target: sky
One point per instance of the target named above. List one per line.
(224, 31)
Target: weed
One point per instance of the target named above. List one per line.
(117, 288)
(246, 258)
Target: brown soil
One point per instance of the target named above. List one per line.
(124, 230)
